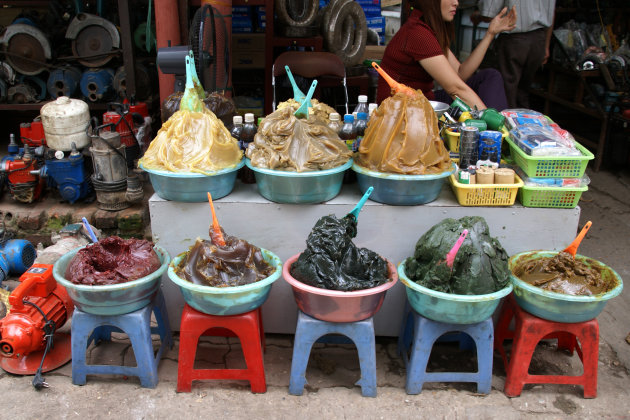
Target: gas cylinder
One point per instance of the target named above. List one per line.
(65, 121)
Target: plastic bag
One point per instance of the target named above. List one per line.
(402, 137)
(224, 108)
(553, 182)
(284, 142)
(543, 141)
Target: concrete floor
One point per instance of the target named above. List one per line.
(333, 369)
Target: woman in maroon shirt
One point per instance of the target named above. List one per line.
(419, 54)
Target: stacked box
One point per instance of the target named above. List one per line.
(260, 18)
(242, 19)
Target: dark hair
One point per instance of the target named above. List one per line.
(432, 16)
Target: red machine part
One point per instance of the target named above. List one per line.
(24, 186)
(33, 134)
(126, 135)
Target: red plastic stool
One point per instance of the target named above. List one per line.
(247, 327)
(527, 333)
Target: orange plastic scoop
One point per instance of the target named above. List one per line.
(216, 228)
(572, 249)
(396, 87)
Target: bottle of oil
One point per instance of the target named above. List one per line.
(347, 133)
(335, 123)
(237, 129)
(247, 136)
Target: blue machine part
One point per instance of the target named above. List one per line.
(63, 82)
(96, 83)
(37, 83)
(68, 175)
(16, 256)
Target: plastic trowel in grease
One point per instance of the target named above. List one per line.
(298, 95)
(450, 256)
(302, 111)
(394, 85)
(357, 209)
(572, 249)
(216, 228)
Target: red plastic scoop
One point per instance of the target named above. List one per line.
(216, 228)
(572, 249)
(450, 257)
(396, 87)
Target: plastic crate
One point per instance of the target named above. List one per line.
(551, 166)
(486, 194)
(557, 197)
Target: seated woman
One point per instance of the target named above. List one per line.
(419, 54)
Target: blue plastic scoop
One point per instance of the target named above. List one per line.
(90, 232)
(302, 111)
(298, 95)
(355, 211)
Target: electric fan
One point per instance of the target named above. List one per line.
(209, 43)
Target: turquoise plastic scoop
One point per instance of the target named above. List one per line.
(190, 101)
(355, 211)
(298, 95)
(195, 78)
(302, 111)
(90, 232)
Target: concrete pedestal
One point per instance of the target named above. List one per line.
(391, 231)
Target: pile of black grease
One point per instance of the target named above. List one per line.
(332, 261)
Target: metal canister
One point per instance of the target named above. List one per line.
(468, 141)
(480, 124)
(493, 118)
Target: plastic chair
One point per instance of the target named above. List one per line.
(309, 330)
(310, 65)
(420, 334)
(527, 333)
(247, 327)
(137, 325)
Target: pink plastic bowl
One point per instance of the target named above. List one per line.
(334, 305)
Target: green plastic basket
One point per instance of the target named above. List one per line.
(557, 197)
(551, 166)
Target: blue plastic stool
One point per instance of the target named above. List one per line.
(137, 325)
(421, 334)
(309, 330)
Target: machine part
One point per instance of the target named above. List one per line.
(297, 13)
(121, 120)
(345, 30)
(140, 37)
(108, 157)
(63, 82)
(22, 94)
(111, 196)
(26, 48)
(93, 39)
(36, 83)
(3, 91)
(25, 184)
(68, 175)
(65, 121)
(16, 256)
(7, 73)
(39, 306)
(134, 193)
(143, 82)
(96, 84)
(33, 133)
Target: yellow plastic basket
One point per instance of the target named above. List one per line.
(486, 194)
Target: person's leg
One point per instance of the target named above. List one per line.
(512, 51)
(533, 61)
(488, 84)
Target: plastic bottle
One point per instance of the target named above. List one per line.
(247, 136)
(335, 123)
(362, 106)
(237, 129)
(359, 127)
(347, 132)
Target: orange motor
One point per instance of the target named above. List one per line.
(37, 298)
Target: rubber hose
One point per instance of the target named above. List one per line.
(287, 13)
(347, 39)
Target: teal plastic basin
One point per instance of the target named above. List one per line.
(115, 299)
(191, 187)
(226, 300)
(560, 307)
(401, 190)
(299, 187)
(450, 308)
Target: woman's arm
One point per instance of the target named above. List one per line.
(443, 73)
(501, 22)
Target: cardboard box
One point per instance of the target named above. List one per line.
(248, 42)
(371, 11)
(248, 59)
(388, 3)
(373, 52)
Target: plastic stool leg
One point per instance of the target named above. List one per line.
(483, 336)
(589, 341)
(79, 345)
(420, 352)
(140, 337)
(188, 342)
(252, 351)
(521, 355)
(164, 327)
(363, 336)
(302, 345)
(406, 334)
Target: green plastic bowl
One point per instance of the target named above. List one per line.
(192, 187)
(299, 187)
(450, 308)
(560, 307)
(114, 299)
(226, 300)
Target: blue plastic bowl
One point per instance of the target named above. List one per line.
(450, 308)
(299, 187)
(115, 299)
(401, 190)
(226, 300)
(560, 307)
(191, 187)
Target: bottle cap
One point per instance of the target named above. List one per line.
(372, 107)
(363, 98)
(348, 118)
(249, 117)
(362, 115)
(237, 119)
(334, 116)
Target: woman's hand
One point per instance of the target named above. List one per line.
(504, 21)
